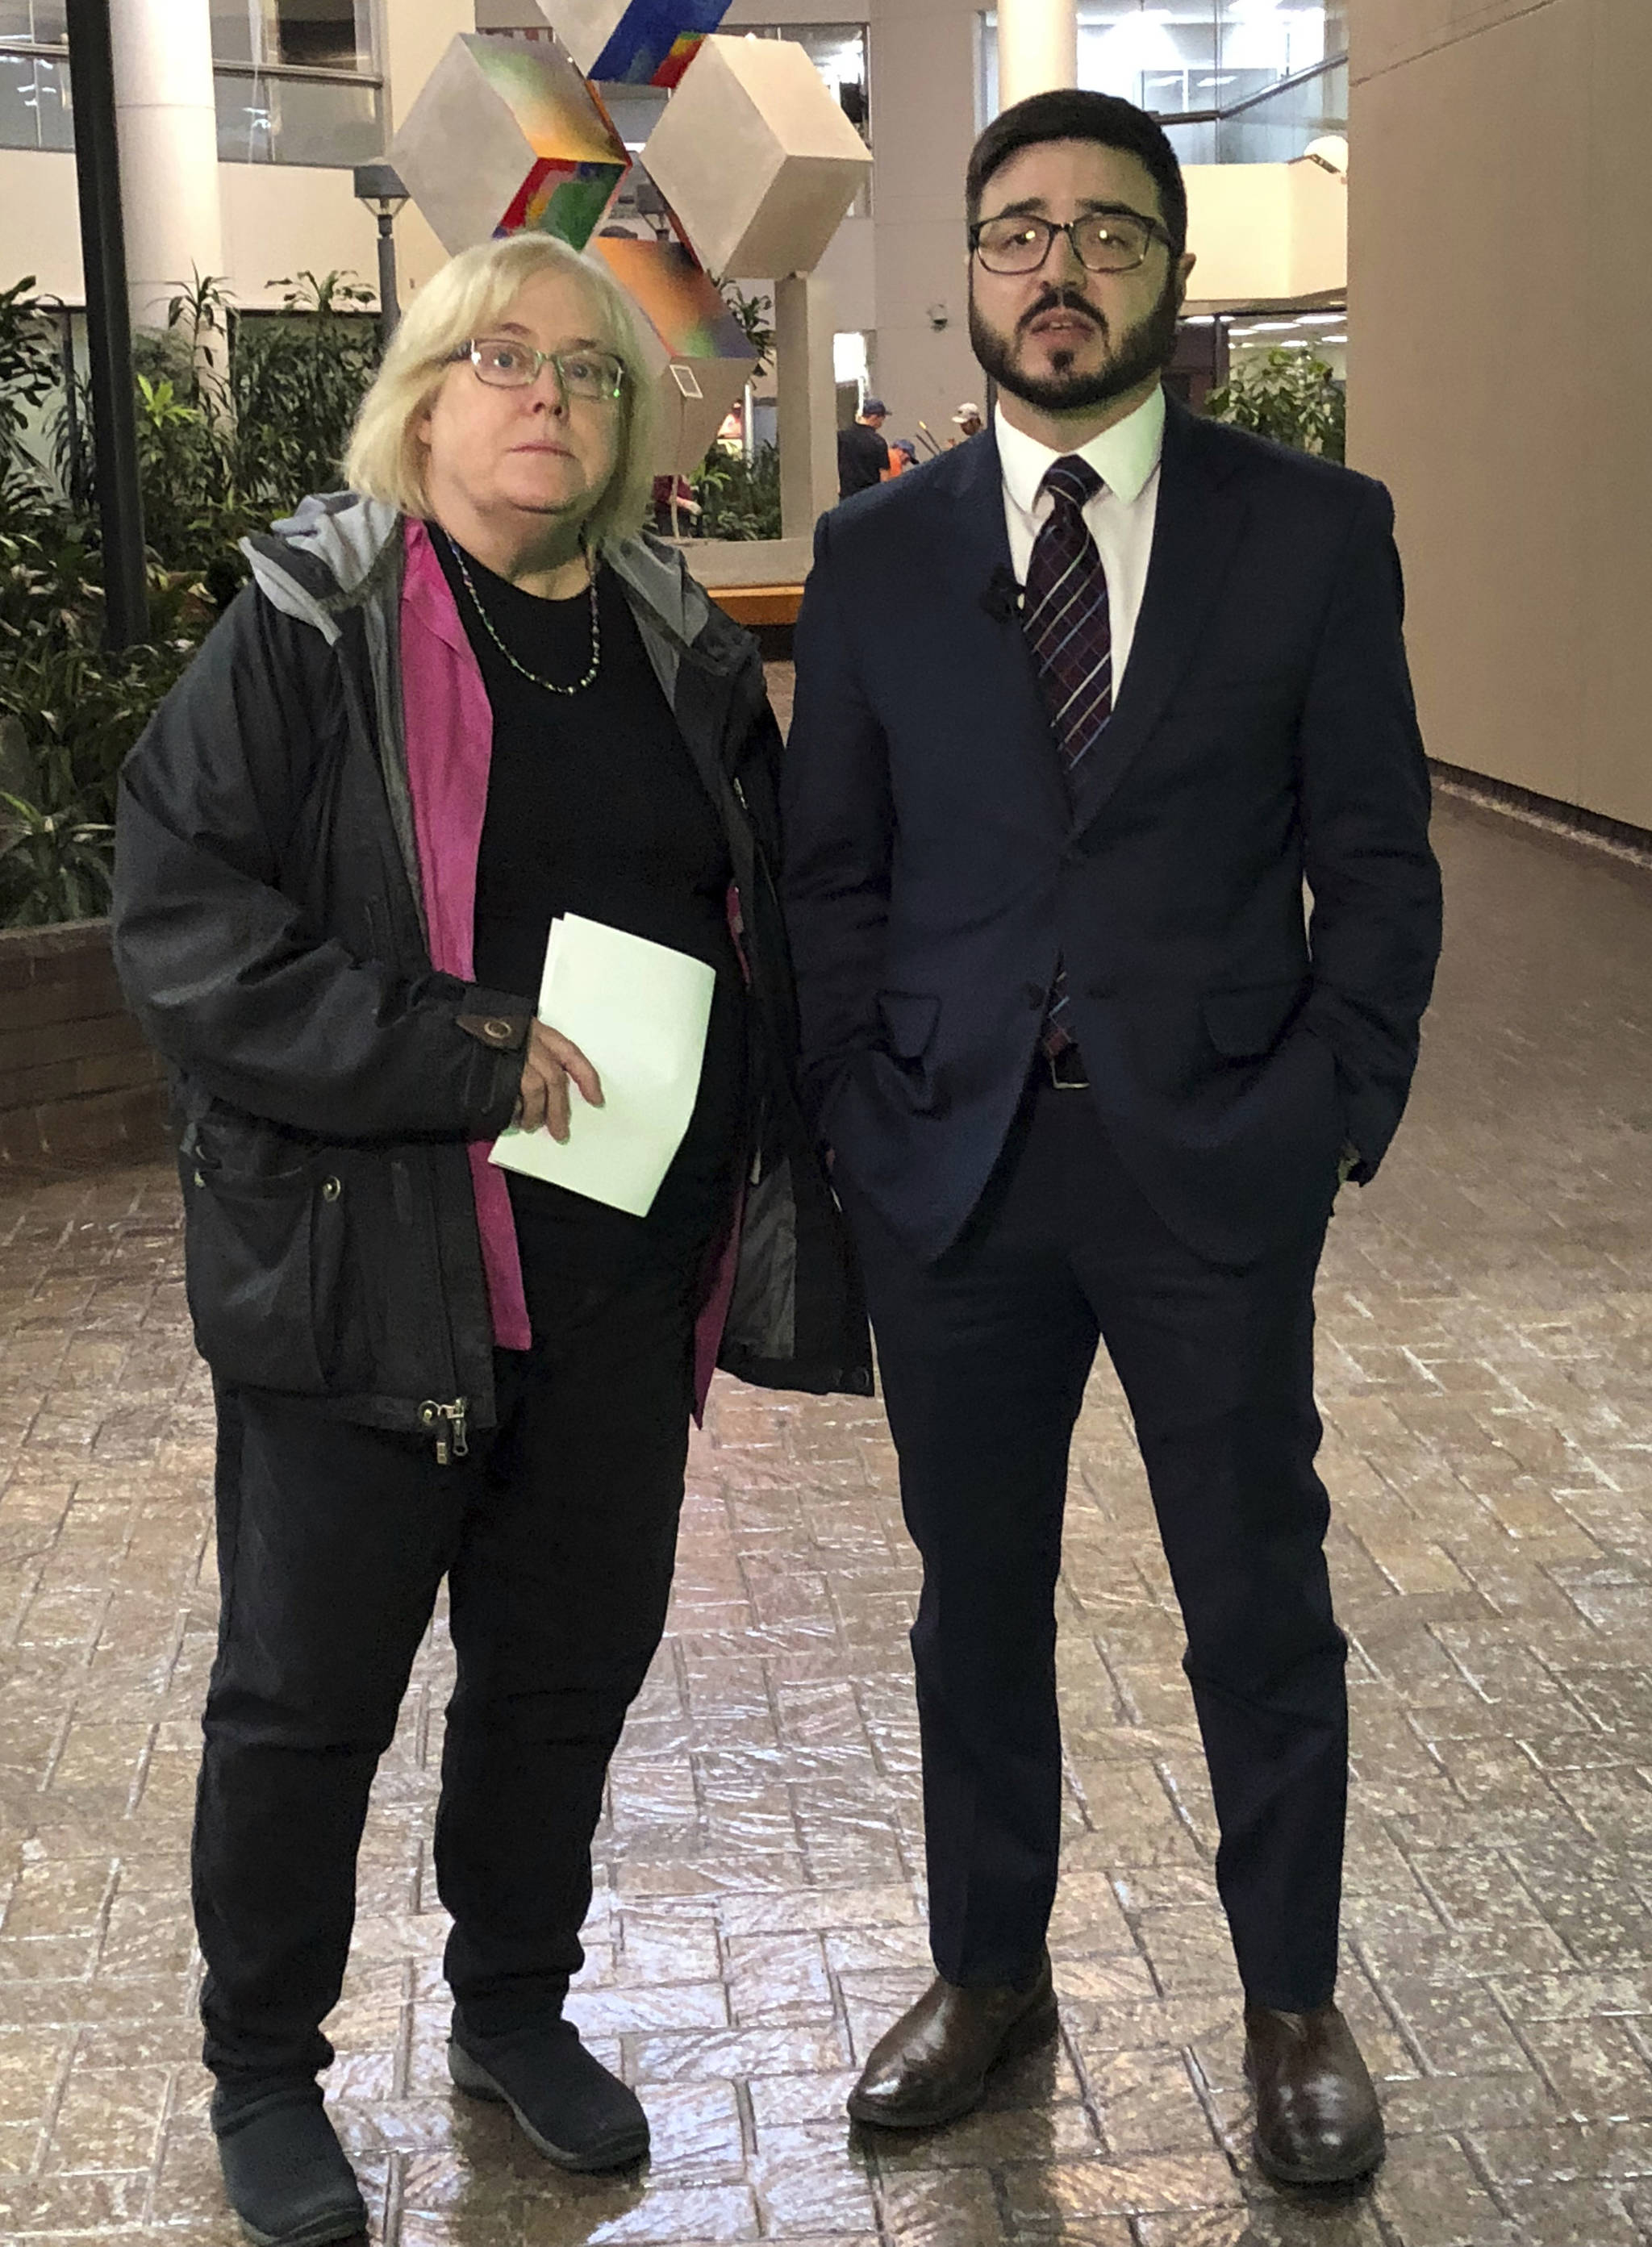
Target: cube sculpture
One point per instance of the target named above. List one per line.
(633, 42)
(756, 159)
(507, 135)
(696, 348)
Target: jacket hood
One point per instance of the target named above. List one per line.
(323, 558)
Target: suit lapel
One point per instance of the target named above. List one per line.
(1196, 531)
(969, 487)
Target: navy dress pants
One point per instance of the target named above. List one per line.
(557, 1536)
(984, 1357)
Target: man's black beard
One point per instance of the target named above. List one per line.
(1143, 351)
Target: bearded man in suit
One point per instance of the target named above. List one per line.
(1080, 708)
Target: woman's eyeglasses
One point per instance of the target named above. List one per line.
(505, 363)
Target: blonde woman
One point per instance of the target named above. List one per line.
(458, 699)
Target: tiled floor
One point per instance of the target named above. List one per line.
(1487, 1382)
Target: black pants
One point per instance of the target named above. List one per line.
(557, 1536)
(983, 1356)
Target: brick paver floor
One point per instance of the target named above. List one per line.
(1486, 1378)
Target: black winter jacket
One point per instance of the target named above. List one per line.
(269, 934)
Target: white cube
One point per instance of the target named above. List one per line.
(756, 159)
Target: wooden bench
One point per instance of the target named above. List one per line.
(758, 605)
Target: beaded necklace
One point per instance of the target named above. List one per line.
(550, 684)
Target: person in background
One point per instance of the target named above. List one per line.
(969, 423)
(903, 454)
(863, 457)
(458, 699)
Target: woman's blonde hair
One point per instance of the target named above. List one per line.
(387, 460)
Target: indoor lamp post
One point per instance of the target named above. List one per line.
(379, 186)
(114, 418)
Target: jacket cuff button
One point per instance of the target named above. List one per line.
(498, 1030)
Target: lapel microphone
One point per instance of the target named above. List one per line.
(1002, 599)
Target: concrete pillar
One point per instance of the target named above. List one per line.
(808, 402)
(168, 149)
(1037, 47)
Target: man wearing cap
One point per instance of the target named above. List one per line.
(969, 423)
(863, 457)
(1080, 712)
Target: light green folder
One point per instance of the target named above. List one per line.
(638, 1012)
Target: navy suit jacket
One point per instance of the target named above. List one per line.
(1265, 736)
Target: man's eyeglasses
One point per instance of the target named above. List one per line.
(1104, 241)
(504, 363)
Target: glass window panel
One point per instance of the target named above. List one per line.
(244, 117)
(53, 104)
(1278, 129)
(319, 35)
(312, 122)
(19, 117)
(16, 20)
(1194, 144)
(51, 23)
(1265, 39)
(1174, 55)
(306, 34)
(237, 30)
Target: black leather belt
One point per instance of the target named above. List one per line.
(1065, 1070)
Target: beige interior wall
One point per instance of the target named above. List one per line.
(1500, 310)
(1265, 232)
(42, 230)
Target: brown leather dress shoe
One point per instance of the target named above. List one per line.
(1317, 2119)
(932, 2065)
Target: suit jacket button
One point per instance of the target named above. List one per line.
(1035, 994)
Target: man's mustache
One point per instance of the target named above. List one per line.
(1061, 300)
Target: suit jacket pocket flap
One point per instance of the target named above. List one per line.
(909, 1021)
(1250, 1019)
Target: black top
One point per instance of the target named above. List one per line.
(861, 459)
(595, 806)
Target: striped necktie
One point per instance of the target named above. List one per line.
(1069, 630)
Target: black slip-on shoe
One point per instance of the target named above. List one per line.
(286, 2175)
(567, 2104)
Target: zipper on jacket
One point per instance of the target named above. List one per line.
(447, 1423)
(754, 1175)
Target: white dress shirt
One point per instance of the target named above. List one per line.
(1120, 518)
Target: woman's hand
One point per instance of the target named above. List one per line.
(552, 1061)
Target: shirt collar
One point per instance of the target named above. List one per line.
(1124, 456)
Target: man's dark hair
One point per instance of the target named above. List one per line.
(1067, 113)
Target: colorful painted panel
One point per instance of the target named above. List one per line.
(677, 297)
(654, 40)
(540, 84)
(696, 349)
(566, 199)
